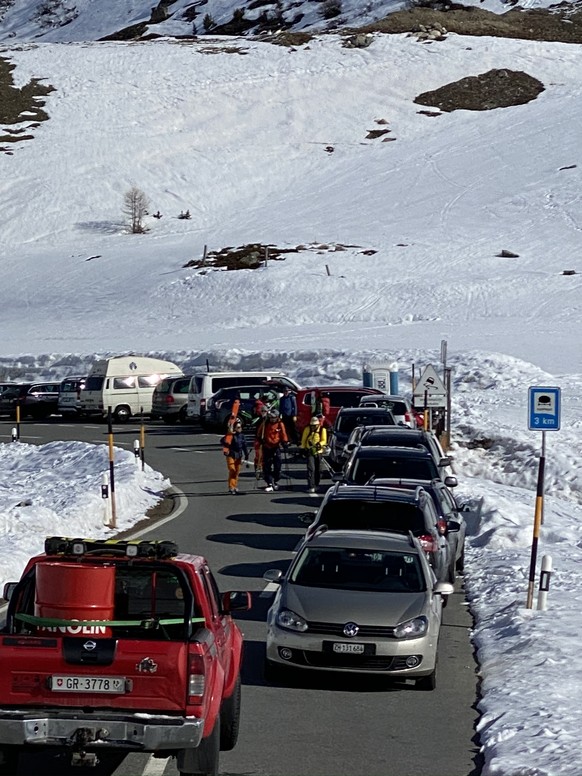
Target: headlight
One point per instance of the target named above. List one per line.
(412, 629)
(291, 621)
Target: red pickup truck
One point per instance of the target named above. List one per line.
(112, 647)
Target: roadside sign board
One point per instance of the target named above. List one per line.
(431, 386)
(544, 408)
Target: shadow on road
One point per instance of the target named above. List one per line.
(276, 542)
(271, 520)
(255, 570)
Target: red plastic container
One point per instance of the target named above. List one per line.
(71, 591)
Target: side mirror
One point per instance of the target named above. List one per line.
(349, 447)
(307, 517)
(453, 525)
(273, 575)
(8, 591)
(443, 588)
(236, 601)
(451, 482)
(445, 461)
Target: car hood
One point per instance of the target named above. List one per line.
(363, 607)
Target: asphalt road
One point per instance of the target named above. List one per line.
(322, 725)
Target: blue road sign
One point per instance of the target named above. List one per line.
(544, 408)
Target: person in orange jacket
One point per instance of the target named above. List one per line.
(234, 447)
(273, 437)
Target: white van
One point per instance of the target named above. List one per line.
(124, 383)
(204, 384)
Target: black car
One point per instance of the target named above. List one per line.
(396, 510)
(219, 406)
(366, 463)
(349, 418)
(36, 400)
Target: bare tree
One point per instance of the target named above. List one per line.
(135, 205)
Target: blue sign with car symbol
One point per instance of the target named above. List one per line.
(544, 408)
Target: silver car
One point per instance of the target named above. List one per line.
(358, 602)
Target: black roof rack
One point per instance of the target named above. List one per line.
(63, 545)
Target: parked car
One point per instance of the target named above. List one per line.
(6, 386)
(349, 418)
(399, 406)
(69, 403)
(357, 602)
(219, 407)
(170, 399)
(403, 437)
(447, 509)
(408, 463)
(397, 510)
(36, 400)
(311, 401)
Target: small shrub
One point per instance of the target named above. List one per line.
(208, 23)
(331, 8)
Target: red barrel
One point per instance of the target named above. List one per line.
(71, 591)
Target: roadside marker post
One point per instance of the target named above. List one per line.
(544, 405)
(142, 440)
(545, 578)
(113, 523)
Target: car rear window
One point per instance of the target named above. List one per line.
(394, 438)
(391, 466)
(351, 514)
(347, 423)
(397, 407)
(68, 386)
(359, 569)
(345, 398)
(163, 387)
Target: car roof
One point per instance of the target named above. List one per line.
(377, 451)
(366, 410)
(370, 493)
(398, 432)
(392, 397)
(365, 540)
(395, 482)
(339, 388)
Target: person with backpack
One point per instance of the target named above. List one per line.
(234, 447)
(272, 437)
(313, 442)
(288, 409)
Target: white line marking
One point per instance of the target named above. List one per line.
(155, 766)
(182, 504)
(23, 437)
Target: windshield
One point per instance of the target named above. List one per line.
(391, 466)
(350, 514)
(347, 423)
(359, 569)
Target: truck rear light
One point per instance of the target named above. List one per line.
(196, 679)
(428, 543)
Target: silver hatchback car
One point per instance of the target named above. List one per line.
(358, 602)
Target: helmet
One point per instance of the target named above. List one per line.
(274, 413)
(314, 421)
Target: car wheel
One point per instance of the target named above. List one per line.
(203, 760)
(230, 719)
(427, 683)
(122, 414)
(182, 415)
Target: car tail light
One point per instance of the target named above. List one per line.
(196, 679)
(407, 417)
(442, 526)
(169, 399)
(428, 543)
(202, 403)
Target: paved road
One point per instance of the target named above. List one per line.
(322, 725)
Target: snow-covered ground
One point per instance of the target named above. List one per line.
(242, 139)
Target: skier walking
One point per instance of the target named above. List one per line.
(234, 447)
(272, 437)
(313, 442)
(288, 408)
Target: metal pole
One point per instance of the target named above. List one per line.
(142, 440)
(448, 381)
(537, 523)
(111, 469)
(18, 420)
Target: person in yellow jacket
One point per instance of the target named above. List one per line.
(313, 442)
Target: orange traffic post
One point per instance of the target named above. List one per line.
(111, 470)
(537, 523)
(142, 441)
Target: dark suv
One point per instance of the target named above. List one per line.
(396, 510)
(367, 463)
(36, 400)
(349, 418)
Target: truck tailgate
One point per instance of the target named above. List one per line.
(91, 672)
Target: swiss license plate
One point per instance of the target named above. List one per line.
(348, 649)
(101, 684)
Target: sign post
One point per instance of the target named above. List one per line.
(544, 415)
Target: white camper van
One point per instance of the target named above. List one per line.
(124, 383)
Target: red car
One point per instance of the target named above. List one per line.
(328, 400)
